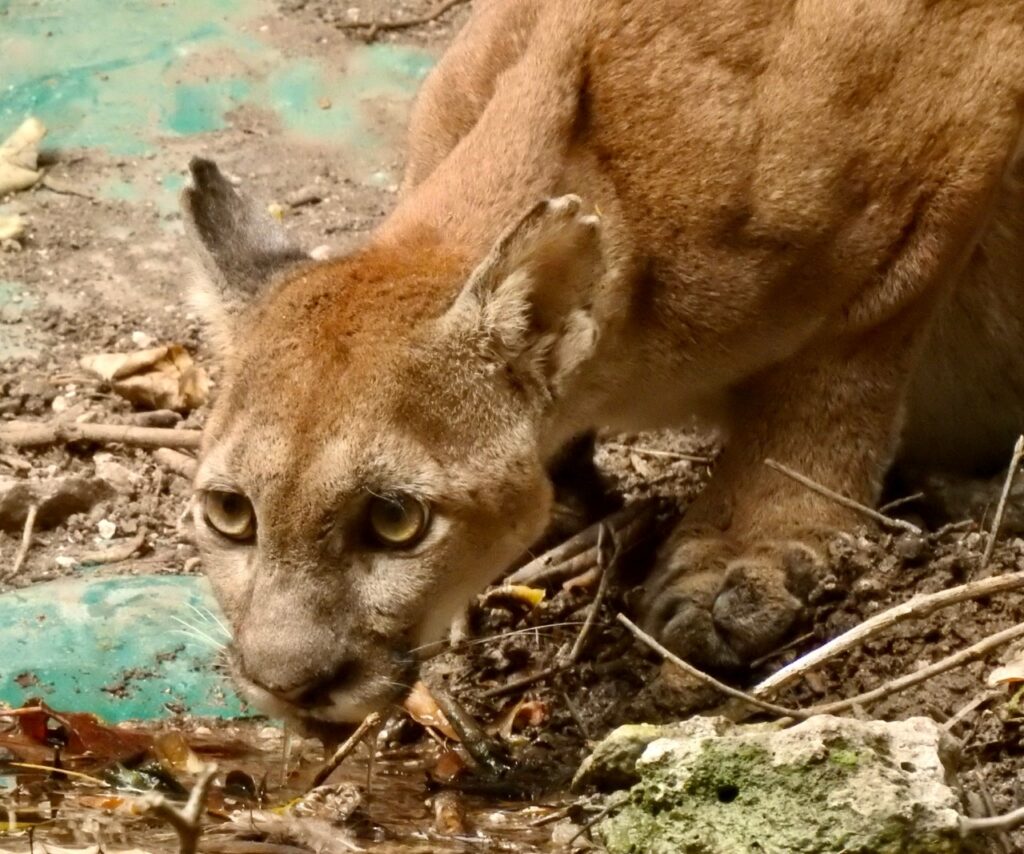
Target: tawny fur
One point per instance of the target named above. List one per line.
(811, 233)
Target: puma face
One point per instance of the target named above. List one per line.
(372, 460)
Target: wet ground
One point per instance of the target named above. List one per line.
(296, 109)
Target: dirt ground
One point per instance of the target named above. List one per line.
(102, 274)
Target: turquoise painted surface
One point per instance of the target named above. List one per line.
(121, 76)
(122, 648)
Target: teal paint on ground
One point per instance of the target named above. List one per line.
(113, 646)
(120, 76)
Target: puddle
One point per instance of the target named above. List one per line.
(397, 817)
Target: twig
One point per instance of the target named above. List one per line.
(579, 553)
(342, 753)
(26, 542)
(914, 608)
(187, 821)
(899, 502)
(908, 680)
(1018, 452)
(487, 752)
(657, 452)
(27, 434)
(377, 26)
(114, 554)
(563, 663)
(176, 462)
(1007, 821)
(700, 675)
(849, 503)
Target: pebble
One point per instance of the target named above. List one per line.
(106, 529)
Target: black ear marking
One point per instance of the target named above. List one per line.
(241, 245)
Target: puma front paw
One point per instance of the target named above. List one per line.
(721, 608)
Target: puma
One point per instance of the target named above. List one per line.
(800, 221)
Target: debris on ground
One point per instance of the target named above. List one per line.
(156, 378)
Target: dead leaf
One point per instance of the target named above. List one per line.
(175, 755)
(525, 713)
(449, 765)
(514, 594)
(156, 378)
(78, 734)
(1008, 673)
(19, 157)
(422, 708)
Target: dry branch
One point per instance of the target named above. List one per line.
(187, 821)
(701, 676)
(176, 462)
(115, 553)
(26, 542)
(849, 503)
(702, 459)
(605, 566)
(908, 680)
(997, 522)
(28, 434)
(351, 743)
(995, 824)
(915, 608)
(579, 553)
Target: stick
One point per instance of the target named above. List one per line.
(564, 663)
(908, 680)
(487, 752)
(657, 452)
(1018, 452)
(28, 434)
(377, 26)
(914, 608)
(187, 821)
(579, 553)
(997, 823)
(114, 554)
(26, 542)
(176, 462)
(849, 503)
(350, 744)
(647, 640)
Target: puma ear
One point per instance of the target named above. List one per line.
(241, 247)
(529, 301)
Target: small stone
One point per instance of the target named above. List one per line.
(10, 314)
(60, 404)
(324, 103)
(142, 340)
(308, 195)
(157, 418)
(320, 253)
(65, 561)
(106, 529)
(123, 479)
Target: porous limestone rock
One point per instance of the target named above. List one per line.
(827, 785)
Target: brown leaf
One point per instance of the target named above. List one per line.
(78, 734)
(423, 709)
(158, 378)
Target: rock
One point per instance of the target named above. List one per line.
(825, 786)
(57, 498)
(157, 418)
(308, 195)
(123, 479)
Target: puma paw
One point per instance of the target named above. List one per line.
(720, 609)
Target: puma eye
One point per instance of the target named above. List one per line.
(397, 520)
(230, 514)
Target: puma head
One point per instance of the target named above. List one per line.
(374, 457)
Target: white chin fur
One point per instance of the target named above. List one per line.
(343, 710)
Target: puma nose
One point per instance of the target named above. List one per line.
(311, 692)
